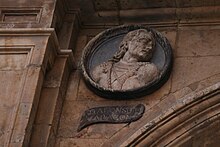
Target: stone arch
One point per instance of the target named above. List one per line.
(176, 125)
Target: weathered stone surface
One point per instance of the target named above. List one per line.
(20, 14)
(24, 58)
(30, 53)
(47, 105)
(130, 4)
(20, 127)
(197, 86)
(196, 66)
(41, 134)
(182, 92)
(202, 42)
(85, 93)
(9, 96)
(208, 82)
(90, 33)
(188, 3)
(73, 85)
(12, 62)
(158, 95)
(81, 142)
(201, 73)
(35, 74)
(190, 15)
(189, 70)
(158, 112)
(36, 46)
(55, 75)
(70, 119)
(67, 33)
(91, 16)
(51, 102)
(102, 5)
(81, 43)
(208, 137)
(126, 131)
(148, 15)
(100, 12)
(170, 34)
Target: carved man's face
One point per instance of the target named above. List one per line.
(141, 49)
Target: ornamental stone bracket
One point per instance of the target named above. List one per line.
(27, 56)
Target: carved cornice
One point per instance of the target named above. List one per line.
(161, 16)
(26, 32)
(32, 32)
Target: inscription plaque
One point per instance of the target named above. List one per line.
(111, 114)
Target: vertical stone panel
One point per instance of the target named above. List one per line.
(12, 65)
(21, 75)
(9, 95)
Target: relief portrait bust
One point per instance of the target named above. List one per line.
(127, 61)
(130, 67)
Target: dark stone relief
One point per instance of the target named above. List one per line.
(127, 62)
(111, 114)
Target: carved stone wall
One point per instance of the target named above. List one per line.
(29, 56)
(26, 14)
(42, 98)
(196, 55)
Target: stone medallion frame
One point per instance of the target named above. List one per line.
(104, 45)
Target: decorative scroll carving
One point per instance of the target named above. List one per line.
(111, 114)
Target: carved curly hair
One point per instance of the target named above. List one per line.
(132, 36)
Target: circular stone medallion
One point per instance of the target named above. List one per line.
(126, 62)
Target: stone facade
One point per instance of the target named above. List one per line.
(43, 95)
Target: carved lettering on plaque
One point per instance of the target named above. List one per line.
(111, 114)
